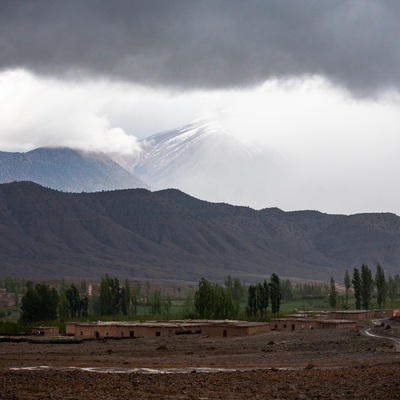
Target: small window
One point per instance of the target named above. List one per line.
(158, 333)
(81, 333)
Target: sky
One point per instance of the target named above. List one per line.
(318, 82)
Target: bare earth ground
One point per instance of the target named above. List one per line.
(328, 364)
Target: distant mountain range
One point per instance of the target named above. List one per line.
(168, 235)
(67, 170)
(199, 158)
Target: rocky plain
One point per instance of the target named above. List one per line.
(316, 364)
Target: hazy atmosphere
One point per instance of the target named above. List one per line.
(315, 82)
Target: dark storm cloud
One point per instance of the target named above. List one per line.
(206, 44)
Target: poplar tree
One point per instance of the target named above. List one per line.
(380, 286)
(155, 303)
(252, 300)
(262, 300)
(237, 293)
(332, 293)
(275, 293)
(356, 282)
(392, 289)
(204, 299)
(126, 298)
(110, 296)
(366, 286)
(74, 300)
(347, 287)
(266, 293)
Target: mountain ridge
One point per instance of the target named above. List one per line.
(169, 235)
(66, 169)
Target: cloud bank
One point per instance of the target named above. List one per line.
(43, 112)
(318, 82)
(208, 44)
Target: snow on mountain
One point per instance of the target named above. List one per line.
(206, 161)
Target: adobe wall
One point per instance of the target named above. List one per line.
(223, 331)
(361, 314)
(295, 324)
(342, 324)
(352, 315)
(70, 328)
(383, 313)
(44, 330)
(232, 330)
(252, 330)
(150, 331)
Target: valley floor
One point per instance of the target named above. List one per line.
(327, 364)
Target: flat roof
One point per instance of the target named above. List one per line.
(170, 324)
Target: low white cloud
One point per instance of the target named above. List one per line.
(341, 152)
(42, 112)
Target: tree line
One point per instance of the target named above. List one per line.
(112, 299)
(364, 286)
(231, 300)
(261, 295)
(215, 301)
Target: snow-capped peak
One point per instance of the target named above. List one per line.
(189, 131)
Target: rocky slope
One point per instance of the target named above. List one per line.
(170, 235)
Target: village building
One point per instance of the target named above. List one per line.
(299, 324)
(218, 328)
(222, 328)
(100, 330)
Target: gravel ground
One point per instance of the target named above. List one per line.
(327, 364)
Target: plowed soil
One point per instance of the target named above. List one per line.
(318, 364)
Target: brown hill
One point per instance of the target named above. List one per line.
(165, 235)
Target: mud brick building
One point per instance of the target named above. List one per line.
(99, 330)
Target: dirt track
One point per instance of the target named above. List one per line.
(279, 365)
